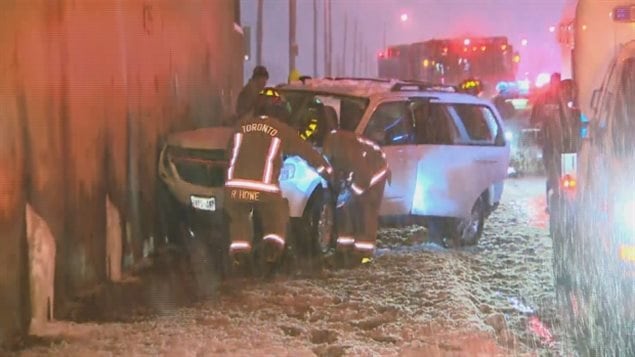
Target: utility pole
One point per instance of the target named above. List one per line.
(292, 40)
(315, 39)
(330, 60)
(326, 38)
(355, 59)
(344, 49)
(259, 33)
(383, 49)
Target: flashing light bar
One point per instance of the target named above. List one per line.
(624, 14)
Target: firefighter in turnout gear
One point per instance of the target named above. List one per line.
(360, 172)
(252, 188)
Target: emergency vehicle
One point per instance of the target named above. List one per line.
(597, 259)
(452, 60)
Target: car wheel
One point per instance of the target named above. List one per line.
(206, 267)
(170, 216)
(314, 233)
(467, 231)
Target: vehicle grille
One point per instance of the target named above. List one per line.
(200, 167)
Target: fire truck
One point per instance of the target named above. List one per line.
(451, 61)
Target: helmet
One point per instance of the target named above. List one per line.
(271, 103)
(471, 86)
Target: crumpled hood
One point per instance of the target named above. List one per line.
(205, 138)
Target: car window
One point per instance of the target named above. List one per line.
(433, 124)
(479, 123)
(602, 108)
(391, 124)
(345, 111)
(622, 126)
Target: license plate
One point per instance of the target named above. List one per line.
(627, 253)
(204, 203)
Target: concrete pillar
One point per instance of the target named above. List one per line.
(41, 268)
(14, 278)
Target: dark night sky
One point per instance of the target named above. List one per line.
(517, 19)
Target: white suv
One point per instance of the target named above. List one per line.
(447, 152)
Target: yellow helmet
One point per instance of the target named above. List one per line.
(294, 75)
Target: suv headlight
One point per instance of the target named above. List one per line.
(287, 172)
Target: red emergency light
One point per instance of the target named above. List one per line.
(568, 182)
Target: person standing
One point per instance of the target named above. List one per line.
(248, 97)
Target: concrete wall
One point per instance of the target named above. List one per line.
(88, 89)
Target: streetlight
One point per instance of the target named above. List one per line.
(524, 42)
(403, 17)
(552, 29)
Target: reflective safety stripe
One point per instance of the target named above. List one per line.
(369, 143)
(378, 176)
(274, 147)
(252, 185)
(239, 245)
(274, 237)
(357, 189)
(238, 140)
(364, 246)
(321, 169)
(345, 240)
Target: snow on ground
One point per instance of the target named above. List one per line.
(415, 299)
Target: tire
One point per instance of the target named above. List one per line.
(467, 231)
(314, 233)
(206, 267)
(170, 217)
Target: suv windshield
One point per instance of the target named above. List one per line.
(337, 111)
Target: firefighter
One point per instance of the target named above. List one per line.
(552, 115)
(252, 188)
(360, 172)
(248, 97)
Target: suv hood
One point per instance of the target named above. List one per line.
(205, 138)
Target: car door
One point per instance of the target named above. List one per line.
(440, 165)
(484, 154)
(390, 125)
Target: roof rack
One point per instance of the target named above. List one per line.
(379, 80)
(413, 85)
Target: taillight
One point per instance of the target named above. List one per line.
(568, 182)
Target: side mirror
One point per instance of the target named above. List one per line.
(595, 98)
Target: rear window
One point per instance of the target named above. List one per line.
(479, 123)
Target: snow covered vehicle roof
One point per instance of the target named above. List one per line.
(373, 87)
